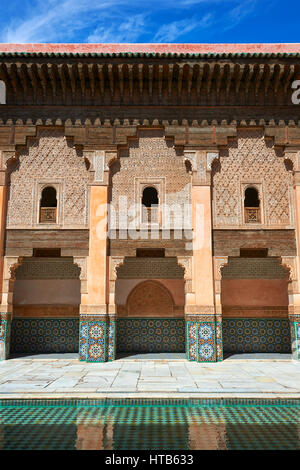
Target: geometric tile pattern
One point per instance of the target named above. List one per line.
(256, 335)
(112, 326)
(93, 342)
(163, 426)
(151, 334)
(5, 327)
(201, 341)
(44, 335)
(295, 339)
(219, 341)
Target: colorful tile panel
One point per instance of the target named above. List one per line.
(5, 328)
(219, 341)
(256, 335)
(201, 341)
(112, 329)
(44, 335)
(151, 334)
(92, 344)
(295, 339)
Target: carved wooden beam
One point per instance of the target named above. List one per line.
(170, 81)
(257, 80)
(14, 79)
(72, 79)
(209, 69)
(33, 81)
(121, 81)
(229, 70)
(189, 81)
(199, 81)
(52, 75)
(240, 71)
(111, 80)
(63, 81)
(267, 79)
(160, 81)
(83, 74)
(22, 72)
(287, 83)
(91, 79)
(248, 79)
(130, 76)
(179, 84)
(219, 70)
(101, 79)
(141, 79)
(150, 82)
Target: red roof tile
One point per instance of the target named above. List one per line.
(160, 48)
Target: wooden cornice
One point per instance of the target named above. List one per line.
(148, 82)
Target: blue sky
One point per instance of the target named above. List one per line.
(158, 21)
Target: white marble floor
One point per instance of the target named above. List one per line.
(63, 375)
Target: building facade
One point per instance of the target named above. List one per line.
(150, 199)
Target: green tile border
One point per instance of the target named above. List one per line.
(144, 402)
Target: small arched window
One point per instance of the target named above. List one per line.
(2, 92)
(48, 205)
(150, 205)
(252, 205)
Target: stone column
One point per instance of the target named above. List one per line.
(94, 328)
(204, 342)
(5, 314)
(10, 263)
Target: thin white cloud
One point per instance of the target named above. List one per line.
(122, 20)
(172, 31)
(126, 31)
(238, 13)
(56, 19)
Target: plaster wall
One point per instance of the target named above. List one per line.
(254, 292)
(47, 291)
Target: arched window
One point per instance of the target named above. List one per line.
(150, 205)
(48, 205)
(252, 205)
(2, 92)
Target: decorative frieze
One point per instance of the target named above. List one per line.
(254, 268)
(150, 268)
(48, 268)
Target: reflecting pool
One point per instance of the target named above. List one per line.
(148, 425)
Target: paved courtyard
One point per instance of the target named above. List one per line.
(48, 376)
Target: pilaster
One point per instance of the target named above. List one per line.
(5, 315)
(293, 265)
(203, 325)
(94, 319)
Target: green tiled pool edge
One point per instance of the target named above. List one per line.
(150, 402)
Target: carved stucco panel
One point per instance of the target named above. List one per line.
(153, 158)
(49, 157)
(251, 159)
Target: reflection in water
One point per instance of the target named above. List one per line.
(192, 427)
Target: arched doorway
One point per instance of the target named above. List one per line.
(150, 320)
(254, 297)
